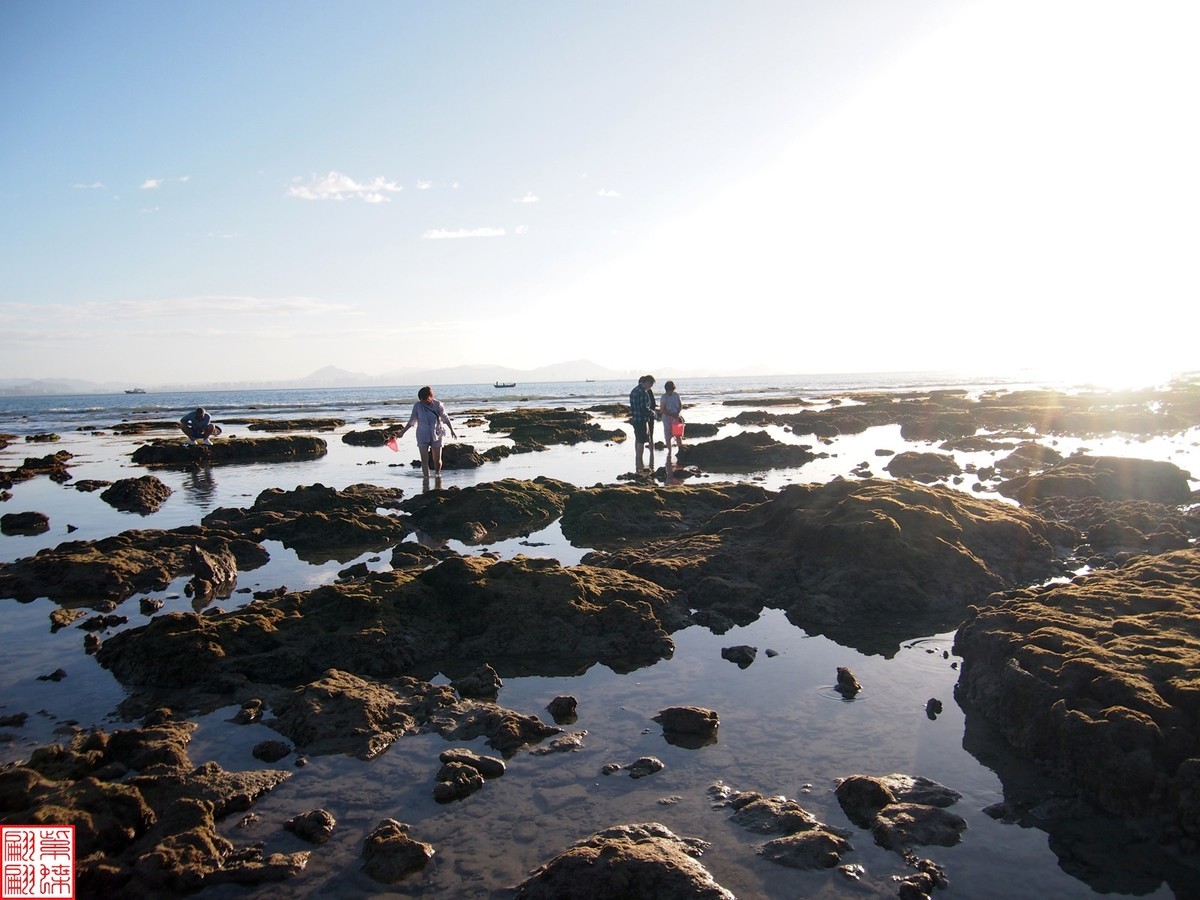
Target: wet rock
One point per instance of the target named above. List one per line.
(772, 815)
(1027, 457)
(319, 523)
(270, 751)
(564, 743)
(638, 862)
(1106, 477)
(814, 849)
(748, 451)
(389, 853)
(178, 454)
(96, 573)
(563, 709)
(742, 655)
(487, 766)
(611, 515)
(56, 675)
(148, 606)
(27, 523)
(251, 711)
(847, 684)
(374, 437)
(53, 467)
(90, 485)
(61, 618)
(214, 574)
(646, 765)
(413, 555)
(455, 781)
(483, 682)
(143, 495)
(315, 826)
(902, 826)
(841, 555)
(862, 797)
(933, 707)
(490, 511)
(689, 720)
(1098, 678)
(533, 428)
(535, 614)
(924, 467)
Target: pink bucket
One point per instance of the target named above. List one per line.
(677, 429)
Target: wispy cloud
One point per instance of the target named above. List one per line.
(338, 186)
(607, 192)
(207, 305)
(424, 185)
(151, 184)
(528, 198)
(94, 186)
(438, 234)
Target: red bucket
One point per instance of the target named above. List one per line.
(677, 429)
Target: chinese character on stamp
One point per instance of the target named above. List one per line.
(38, 862)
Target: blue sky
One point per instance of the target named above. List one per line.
(253, 190)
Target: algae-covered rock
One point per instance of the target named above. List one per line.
(490, 511)
(1100, 678)
(180, 454)
(1106, 477)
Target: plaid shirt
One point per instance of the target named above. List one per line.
(641, 405)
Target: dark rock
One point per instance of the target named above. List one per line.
(490, 511)
(564, 743)
(748, 451)
(862, 797)
(646, 765)
(179, 454)
(847, 684)
(1106, 477)
(390, 854)
(634, 862)
(315, 826)
(289, 424)
(1098, 678)
(817, 848)
(375, 437)
(563, 709)
(487, 766)
(456, 780)
(742, 655)
(24, 523)
(483, 682)
(902, 826)
(689, 720)
(270, 751)
(141, 495)
(924, 467)
(534, 428)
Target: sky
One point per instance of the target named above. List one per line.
(200, 191)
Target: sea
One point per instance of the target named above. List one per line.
(784, 729)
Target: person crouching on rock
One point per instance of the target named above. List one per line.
(429, 416)
(198, 426)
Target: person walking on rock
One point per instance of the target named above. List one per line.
(431, 421)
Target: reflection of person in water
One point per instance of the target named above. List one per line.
(200, 486)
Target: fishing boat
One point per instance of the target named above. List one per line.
(136, 391)
(501, 384)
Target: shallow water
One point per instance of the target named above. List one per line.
(784, 730)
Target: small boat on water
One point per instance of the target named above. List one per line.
(501, 384)
(136, 391)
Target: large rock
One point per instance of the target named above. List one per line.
(1106, 477)
(607, 515)
(141, 495)
(1101, 679)
(490, 511)
(319, 523)
(531, 616)
(98, 573)
(536, 427)
(629, 862)
(179, 454)
(898, 555)
(749, 451)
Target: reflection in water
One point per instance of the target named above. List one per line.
(200, 486)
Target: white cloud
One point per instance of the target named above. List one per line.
(94, 186)
(607, 192)
(528, 198)
(435, 234)
(151, 184)
(424, 185)
(337, 186)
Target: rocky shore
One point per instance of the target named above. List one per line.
(1073, 583)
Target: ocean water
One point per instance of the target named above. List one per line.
(784, 730)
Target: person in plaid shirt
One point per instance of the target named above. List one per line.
(642, 413)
